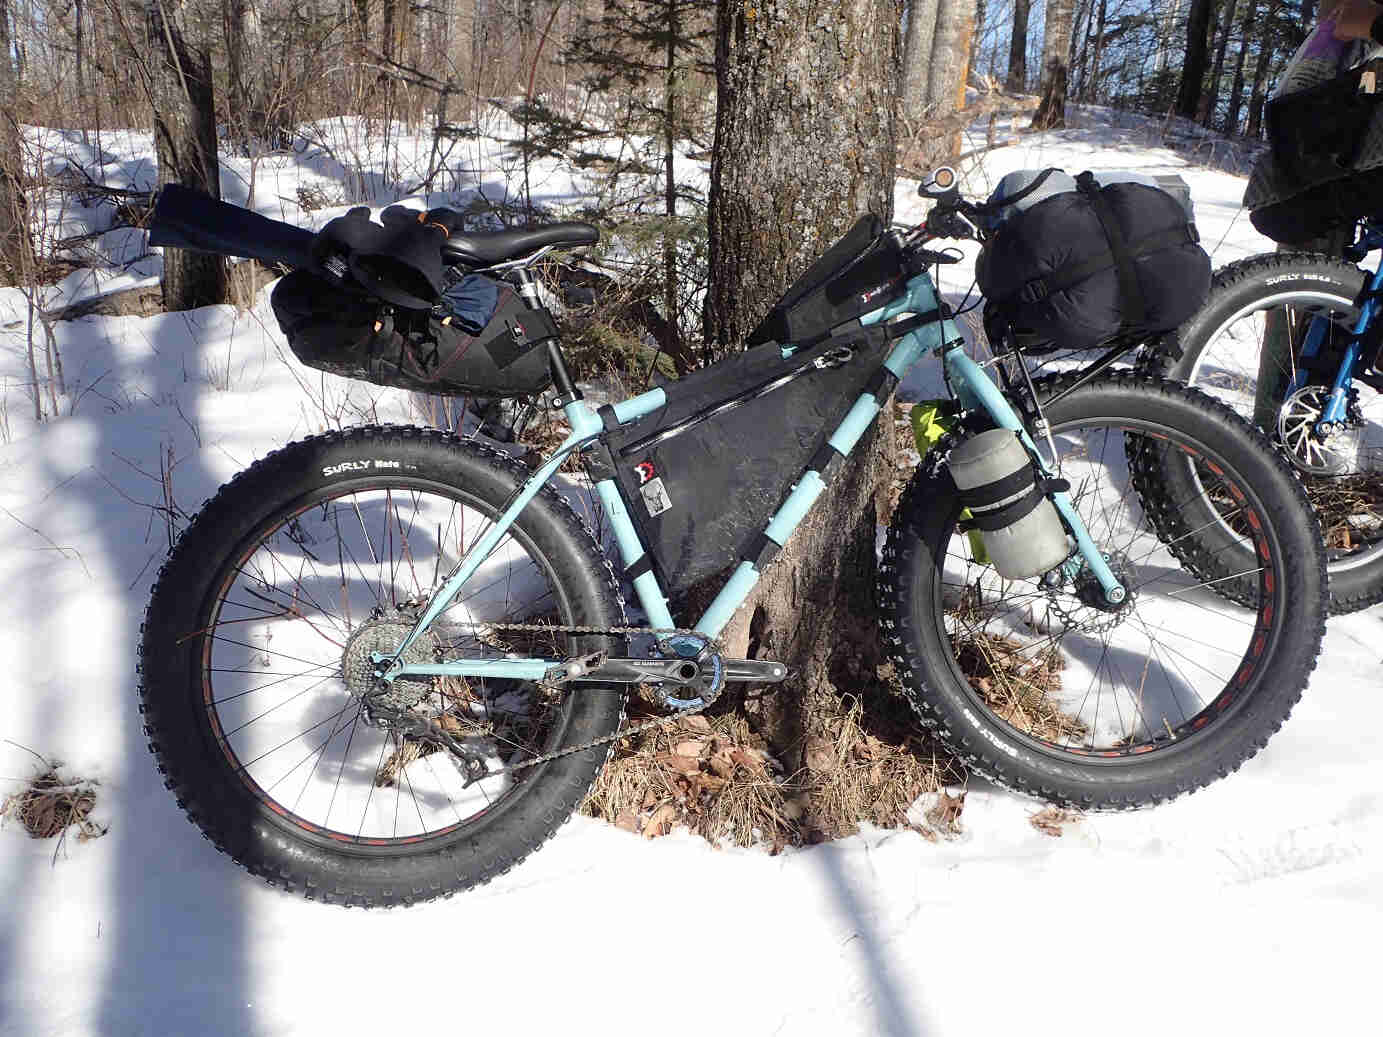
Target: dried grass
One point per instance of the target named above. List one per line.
(716, 777)
(1017, 686)
(1342, 498)
(49, 805)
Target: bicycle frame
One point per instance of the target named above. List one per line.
(975, 390)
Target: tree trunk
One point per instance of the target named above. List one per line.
(673, 336)
(1082, 28)
(1166, 29)
(917, 58)
(955, 29)
(185, 139)
(1236, 92)
(1197, 58)
(1092, 89)
(16, 247)
(1260, 72)
(1056, 40)
(976, 36)
(1017, 81)
(1211, 100)
(805, 142)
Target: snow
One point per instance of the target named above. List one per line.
(1245, 906)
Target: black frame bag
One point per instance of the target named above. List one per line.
(702, 476)
(859, 273)
(346, 334)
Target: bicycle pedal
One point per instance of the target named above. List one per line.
(758, 670)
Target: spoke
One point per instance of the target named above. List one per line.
(261, 687)
(271, 709)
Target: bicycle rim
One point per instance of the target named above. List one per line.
(286, 640)
(1072, 678)
(1227, 367)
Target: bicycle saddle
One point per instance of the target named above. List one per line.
(489, 247)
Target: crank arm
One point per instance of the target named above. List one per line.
(636, 671)
(597, 667)
(764, 671)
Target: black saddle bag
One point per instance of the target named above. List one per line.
(702, 476)
(1316, 133)
(426, 351)
(1082, 267)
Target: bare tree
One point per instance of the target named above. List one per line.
(955, 29)
(1197, 58)
(917, 56)
(1266, 41)
(805, 142)
(1211, 97)
(1056, 43)
(1017, 80)
(15, 246)
(179, 81)
(1236, 91)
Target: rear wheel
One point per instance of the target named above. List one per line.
(1045, 688)
(256, 661)
(1252, 329)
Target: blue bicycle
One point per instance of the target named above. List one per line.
(1291, 341)
(385, 664)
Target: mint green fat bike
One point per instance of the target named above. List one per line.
(386, 664)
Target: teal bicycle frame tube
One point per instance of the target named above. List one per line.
(974, 389)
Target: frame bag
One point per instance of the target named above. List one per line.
(702, 476)
(481, 339)
(1071, 267)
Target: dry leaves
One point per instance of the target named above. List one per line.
(1053, 820)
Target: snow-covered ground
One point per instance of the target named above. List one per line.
(1249, 906)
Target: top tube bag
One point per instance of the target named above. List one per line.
(862, 271)
(702, 476)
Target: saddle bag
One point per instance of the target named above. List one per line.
(480, 339)
(1072, 263)
(1317, 133)
(858, 274)
(702, 475)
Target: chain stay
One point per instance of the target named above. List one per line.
(659, 632)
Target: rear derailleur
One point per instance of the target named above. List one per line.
(425, 730)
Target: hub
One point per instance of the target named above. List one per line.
(383, 633)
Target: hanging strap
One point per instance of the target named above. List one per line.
(1019, 195)
(1130, 294)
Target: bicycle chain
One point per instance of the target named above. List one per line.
(624, 732)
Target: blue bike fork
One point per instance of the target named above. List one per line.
(1337, 407)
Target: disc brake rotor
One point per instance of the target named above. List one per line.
(1336, 454)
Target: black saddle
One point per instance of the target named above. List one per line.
(489, 247)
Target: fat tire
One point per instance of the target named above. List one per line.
(913, 635)
(239, 824)
(1239, 285)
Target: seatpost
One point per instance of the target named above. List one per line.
(561, 377)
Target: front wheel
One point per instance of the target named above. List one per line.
(1244, 347)
(1041, 685)
(255, 666)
